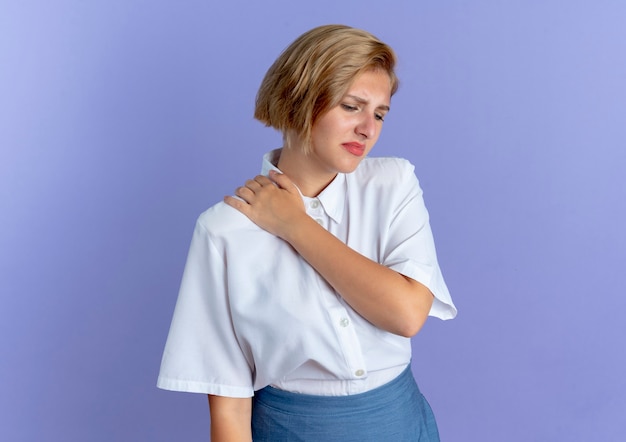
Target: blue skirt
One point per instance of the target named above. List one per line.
(396, 411)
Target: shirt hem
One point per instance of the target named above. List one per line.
(203, 387)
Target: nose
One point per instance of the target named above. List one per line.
(366, 126)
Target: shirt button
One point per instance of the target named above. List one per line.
(359, 372)
(319, 221)
(315, 204)
(344, 322)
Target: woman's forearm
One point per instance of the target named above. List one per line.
(387, 299)
(383, 296)
(230, 419)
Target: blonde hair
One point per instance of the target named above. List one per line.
(312, 75)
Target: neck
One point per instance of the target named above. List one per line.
(300, 168)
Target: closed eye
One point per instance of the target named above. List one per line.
(349, 107)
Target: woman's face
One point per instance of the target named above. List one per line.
(345, 134)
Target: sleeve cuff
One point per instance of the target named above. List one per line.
(443, 307)
(166, 383)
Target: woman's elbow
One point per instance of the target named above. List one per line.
(411, 325)
(415, 315)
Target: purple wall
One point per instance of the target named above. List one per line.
(120, 121)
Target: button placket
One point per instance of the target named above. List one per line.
(316, 211)
(349, 341)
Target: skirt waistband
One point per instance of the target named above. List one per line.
(306, 404)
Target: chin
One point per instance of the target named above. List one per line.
(349, 166)
(348, 169)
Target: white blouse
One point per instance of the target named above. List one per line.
(251, 312)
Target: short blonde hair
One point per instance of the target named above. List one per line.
(312, 75)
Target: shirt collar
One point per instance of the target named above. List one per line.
(333, 197)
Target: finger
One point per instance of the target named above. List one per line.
(283, 181)
(236, 203)
(245, 193)
(263, 180)
(252, 185)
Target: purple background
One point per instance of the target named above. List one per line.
(121, 121)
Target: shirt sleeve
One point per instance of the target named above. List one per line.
(410, 248)
(202, 354)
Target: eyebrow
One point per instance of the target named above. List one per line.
(364, 101)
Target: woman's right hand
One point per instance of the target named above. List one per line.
(273, 203)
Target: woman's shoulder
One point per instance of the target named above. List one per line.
(221, 219)
(385, 169)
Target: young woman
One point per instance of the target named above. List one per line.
(301, 292)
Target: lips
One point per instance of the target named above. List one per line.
(354, 148)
